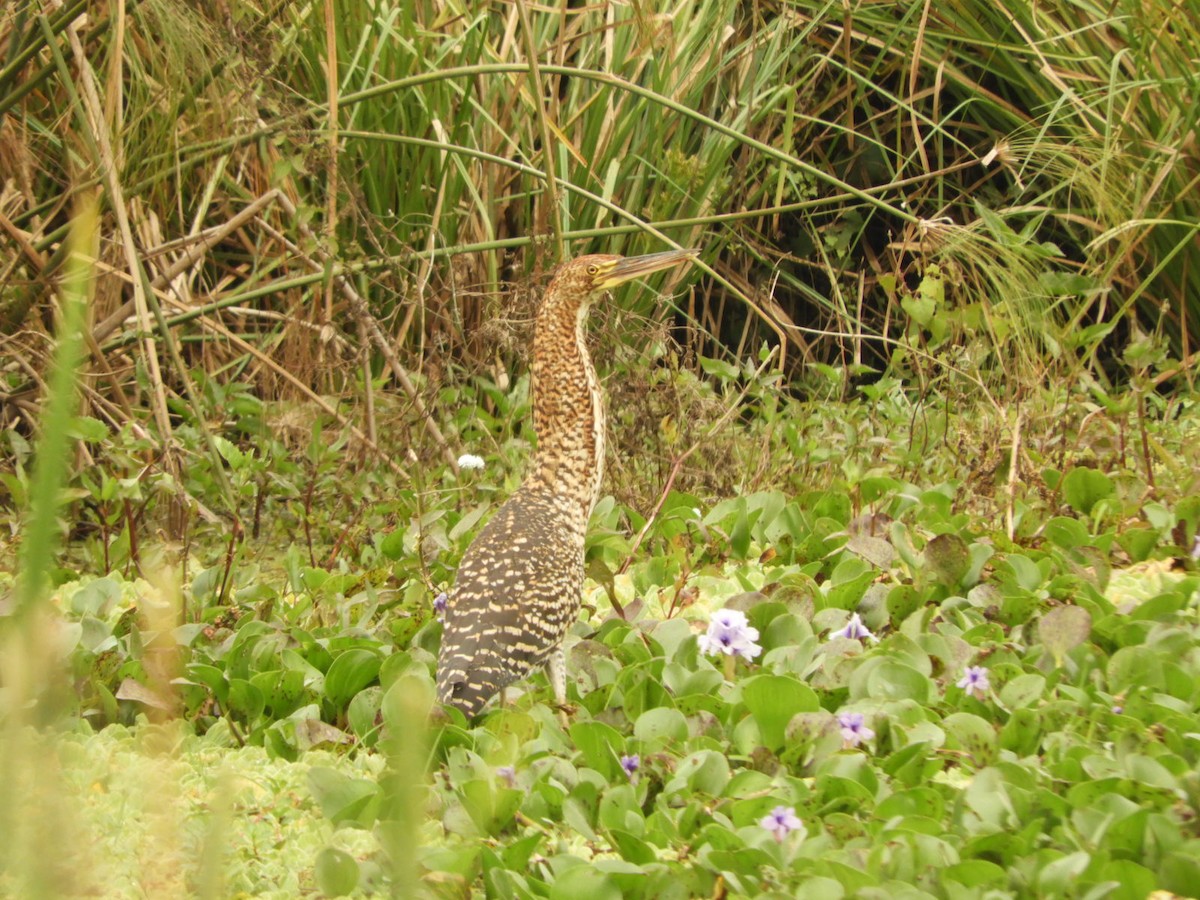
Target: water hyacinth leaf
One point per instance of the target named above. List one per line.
(517, 854)
(601, 746)
(629, 878)
(811, 739)
(1083, 488)
(245, 699)
(1017, 606)
(1022, 732)
(878, 551)
(1136, 881)
(342, 798)
(632, 848)
(947, 559)
(1138, 543)
(619, 809)
(922, 802)
(1134, 667)
(584, 882)
(212, 678)
(889, 679)
(773, 700)
(1066, 533)
(490, 804)
(363, 713)
(283, 691)
(336, 872)
(705, 771)
(1058, 876)
(660, 727)
(902, 601)
(787, 630)
(986, 795)
(975, 873)
(972, 735)
(1062, 629)
(350, 672)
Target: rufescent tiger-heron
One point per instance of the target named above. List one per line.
(518, 589)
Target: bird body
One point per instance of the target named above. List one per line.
(518, 589)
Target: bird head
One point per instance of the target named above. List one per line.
(580, 281)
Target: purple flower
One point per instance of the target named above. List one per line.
(781, 822)
(630, 765)
(855, 630)
(509, 774)
(854, 729)
(1117, 710)
(975, 681)
(439, 605)
(729, 632)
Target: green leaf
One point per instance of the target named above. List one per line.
(1139, 543)
(490, 804)
(85, 428)
(1083, 488)
(902, 601)
(1064, 628)
(337, 872)
(660, 727)
(601, 746)
(1023, 690)
(392, 544)
(889, 679)
(773, 700)
(341, 797)
(1134, 667)
(350, 672)
(1066, 533)
(976, 873)
(583, 882)
(947, 558)
(632, 848)
(245, 699)
(972, 735)
(1058, 876)
(718, 368)
(705, 771)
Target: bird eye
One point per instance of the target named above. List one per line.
(593, 269)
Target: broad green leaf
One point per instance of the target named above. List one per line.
(773, 700)
(601, 746)
(1134, 667)
(245, 699)
(1023, 690)
(351, 671)
(583, 882)
(947, 558)
(337, 872)
(661, 726)
(490, 803)
(972, 735)
(342, 798)
(1083, 488)
(1064, 628)
(1057, 877)
(889, 679)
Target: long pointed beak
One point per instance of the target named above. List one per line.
(637, 266)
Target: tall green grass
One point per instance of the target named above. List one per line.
(973, 195)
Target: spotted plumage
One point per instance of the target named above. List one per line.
(518, 587)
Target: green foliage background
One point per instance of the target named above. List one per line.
(266, 270)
